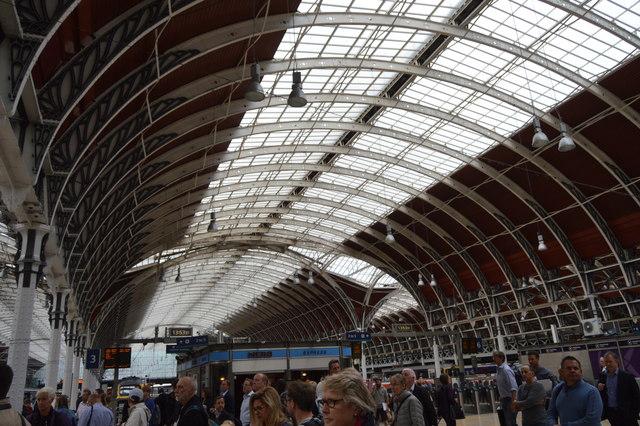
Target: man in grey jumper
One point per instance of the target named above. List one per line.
(530, 399)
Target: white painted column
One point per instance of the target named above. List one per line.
(30, 262)
(554, 334)
(499, 336)
(57, 316)
(363, 362)
(87, 376)
(73, 394)
(68, 364)
(436, 358)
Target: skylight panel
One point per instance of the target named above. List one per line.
(360, 164)
(416, 180)
(382, 144)
(359, 218)
(437, 94)
(326, 195)
(340, 179)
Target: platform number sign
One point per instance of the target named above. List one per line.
(93, 358)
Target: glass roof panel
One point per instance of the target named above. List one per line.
(249, 186)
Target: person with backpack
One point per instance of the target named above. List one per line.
(191, 412)
(139, 413)
(8, 415)
(300, 398)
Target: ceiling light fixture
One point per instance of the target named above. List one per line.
(255, 92)
(297, 98)
(212, 223)
(420, 281)
(566, 143)
(540, 139)
(161, 278)
(541, 245)
(311, 281)
(296, 279)
(178, 277)
(255, 302)
(433, 282)
(389, 238)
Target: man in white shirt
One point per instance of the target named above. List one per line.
(84, 404)
(97, 414)
(245, 409)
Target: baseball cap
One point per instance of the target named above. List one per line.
(135, 395)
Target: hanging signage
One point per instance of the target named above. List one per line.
(190, 342)
(179, 331)
(174, 349)
(402, 328)
(358, 336)
(93, 359)
(471, 345)
(117, 357)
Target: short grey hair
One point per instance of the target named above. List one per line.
(398, 378)
(191, 382)
(411, 372)
(51, 393)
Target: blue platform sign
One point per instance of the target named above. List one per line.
(358, 336)
(174, 349)
(93, 359)
(190, 342)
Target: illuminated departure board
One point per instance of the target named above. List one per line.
(117, 357)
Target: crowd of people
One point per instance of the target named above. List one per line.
(342, 398)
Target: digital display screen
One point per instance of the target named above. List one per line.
(117, 357)
(179, 332)
(470, 345)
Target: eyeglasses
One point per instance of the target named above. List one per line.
(331, 403)
(258, 408)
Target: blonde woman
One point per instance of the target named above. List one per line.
(266, 409)
(346, 401)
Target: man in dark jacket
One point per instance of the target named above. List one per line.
(191, 412)
(225, 391)
(428, 410)
(620, 393)
(220, 414)
(168, 405)
(44, 413)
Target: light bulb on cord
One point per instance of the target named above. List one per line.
(541, 245)
(540, 139)
(420, 282)
(433, 282)
(389, 238)
(566, 143)
(311, 281)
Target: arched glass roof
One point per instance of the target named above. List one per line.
(403, 96)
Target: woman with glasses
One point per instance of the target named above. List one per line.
(346, 401)
(265, 408)
(407, 409)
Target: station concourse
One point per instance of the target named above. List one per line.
(279, 173)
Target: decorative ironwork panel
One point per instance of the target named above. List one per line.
(22, 53)
(143, 210)
(93, 120)
(65, 88)
(37, 16)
